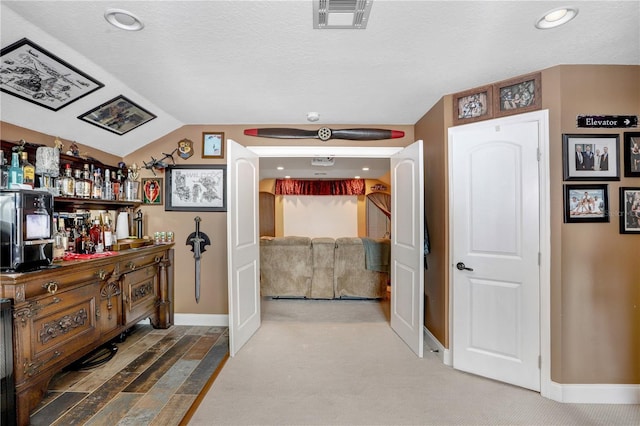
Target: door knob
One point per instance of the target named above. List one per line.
(461, 266)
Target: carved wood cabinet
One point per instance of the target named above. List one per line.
(61, 314)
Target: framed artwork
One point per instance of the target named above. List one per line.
(590, 157)
(32, 73)
(586, 203)
(118, 115)
(212, 145)
(196, 188)
(472, 105)
(629, 210)
(518, 95)
(152, 191)
(631, 154)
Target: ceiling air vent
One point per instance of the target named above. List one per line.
(322, 161)
(341, 14)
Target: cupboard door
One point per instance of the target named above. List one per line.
(140, 297)
(110, 312)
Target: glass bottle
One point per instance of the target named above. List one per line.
(15, 171)
(28, 170)
(68, 187)
(96, 191)
(95, 235)
(4, 171)
(107, 231)
(115, 185)
(59, 241)
(107, 192)
(79, 182)
(88, 182)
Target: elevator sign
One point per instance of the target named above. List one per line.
(607, 121)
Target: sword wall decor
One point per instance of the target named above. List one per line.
(198, 240)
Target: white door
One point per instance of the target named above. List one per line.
(495, 211)
(407, 245)
(243, 263)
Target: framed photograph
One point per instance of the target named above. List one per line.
(630, 210)
(591, 157)
(472, 105)
(212, 145)
(632, 154)
(196, 188)
(518, 95)
(152, 191)
(32, 73)
(118, 115)
(586, 203)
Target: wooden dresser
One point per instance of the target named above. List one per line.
(61, 314)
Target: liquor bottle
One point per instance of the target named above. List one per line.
(28, 170)
(115, 184)
(81, 239)
(107, 232)
(60, 240)
(95, 234)
(4, 171)
(120, 193)
(107, 191)
(15, 171)
(88, 182)
(96, 191)
(79, 182)
(68, 187)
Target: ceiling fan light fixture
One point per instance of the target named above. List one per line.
(123, 19)
(556, 17)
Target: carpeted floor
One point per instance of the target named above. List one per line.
(154, 379)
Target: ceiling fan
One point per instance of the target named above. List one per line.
(324, 134)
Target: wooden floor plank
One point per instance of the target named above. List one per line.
(196, 381)
(200, 349)
(115, 410)
(56, 408)
(173, 411)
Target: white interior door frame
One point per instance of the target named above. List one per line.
(542, 118)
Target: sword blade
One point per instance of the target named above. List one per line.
(197, 280)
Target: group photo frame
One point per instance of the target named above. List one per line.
(586, 203)
(473, 105)
(517, 95)
(630, 210)
(631, 155)
(118, 115)
(196, 188)
(591, 156)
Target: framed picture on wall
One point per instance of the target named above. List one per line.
(472, 105)
(118, 115)
(518, 95)
(591, 157)
(586, 203)
(196, 188)
(212, 145)
(629, 210)
(152, 189)
(631, 154)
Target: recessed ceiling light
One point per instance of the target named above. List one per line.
(123, 19)
(365, 169)
(280, 168)
(287, 177)
(313, 116)
(357, 177)
(556, 17)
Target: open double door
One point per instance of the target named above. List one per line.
(243, 245)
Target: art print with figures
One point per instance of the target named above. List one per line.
(196, 188)
(586, 203)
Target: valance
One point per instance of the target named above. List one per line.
(320, 187)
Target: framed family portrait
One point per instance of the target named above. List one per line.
(629, 210)
(472, 105)
(196, 188)
(152, 189)
(36, 75)
(118, 115)
(518, 95)
(212, 145)
(586, 203)
(631, 154)
(591, 157)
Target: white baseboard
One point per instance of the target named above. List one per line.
(213, 320)
(595, 393)
(437, 347)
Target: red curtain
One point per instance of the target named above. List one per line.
(320, 187)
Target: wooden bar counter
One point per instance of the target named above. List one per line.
(63, 313)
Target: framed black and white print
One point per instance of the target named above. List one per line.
(629, 210)
(586, 203)
(196, 188)
(631, 154)
(118, 115)
(591, 157)
(36, 75)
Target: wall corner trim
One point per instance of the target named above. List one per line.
(594, 393)
(213, 320)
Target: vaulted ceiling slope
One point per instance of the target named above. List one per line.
(261, 62)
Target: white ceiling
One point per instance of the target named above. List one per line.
(261, 62)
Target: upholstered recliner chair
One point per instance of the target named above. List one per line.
(351, 279)
(286, 266)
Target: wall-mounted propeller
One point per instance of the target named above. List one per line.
(324, 134)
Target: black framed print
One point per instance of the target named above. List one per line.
(630, 210)
(118, 115)
(586, 203)
(631, 154)
(196, 188)
(36, 75)
(591, 157)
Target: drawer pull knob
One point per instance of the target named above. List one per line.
(51, 287)
(101, 274)
(131, 265)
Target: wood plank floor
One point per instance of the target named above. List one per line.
(154, 379)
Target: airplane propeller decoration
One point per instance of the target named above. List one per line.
(324, 134)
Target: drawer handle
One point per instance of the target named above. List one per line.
(101, 274)
(51, 287)
(131, 265)
(157, 259)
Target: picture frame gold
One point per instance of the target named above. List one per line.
(473, 105)
(213, 144)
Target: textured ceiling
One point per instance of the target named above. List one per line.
(261, 62)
